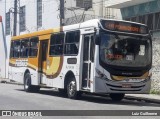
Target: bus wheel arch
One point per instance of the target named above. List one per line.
(28, 87)
(70, 85)
(67, 77)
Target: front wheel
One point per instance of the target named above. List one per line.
(117, 96)
(28, 87)
(72, 89)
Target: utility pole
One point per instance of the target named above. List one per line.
(61, 13)
(15, 19)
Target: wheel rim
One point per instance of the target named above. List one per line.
(72, 88)
(26, 83)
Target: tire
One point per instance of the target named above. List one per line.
(72, 92)
(28, 87)
(117, 96)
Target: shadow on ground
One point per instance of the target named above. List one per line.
(98, 99)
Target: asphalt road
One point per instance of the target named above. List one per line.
(13, 97)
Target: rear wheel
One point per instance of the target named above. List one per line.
(28, 87)
(72, 89)
(117, 96)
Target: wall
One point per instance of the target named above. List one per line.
(99, 10)
(50, 19)
(141, 9)
(156, 63)
(2, 52)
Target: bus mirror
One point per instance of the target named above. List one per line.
(151, 33)
(97, 40)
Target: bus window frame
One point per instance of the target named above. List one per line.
(72, 43)
(13, 57)
(58, 33)
(25, 39)
(32, 47)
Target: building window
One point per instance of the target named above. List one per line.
(22, 20)
(84, 3)
(7, 23)
(142, 19)
(72, 43)
(149, 19)
(39, 13)
(157, 20)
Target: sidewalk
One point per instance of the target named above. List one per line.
(151, 98)
(4, 80)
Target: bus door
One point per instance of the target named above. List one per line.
(43, 61)
(88, 61)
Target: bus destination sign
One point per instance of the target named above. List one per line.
(124, 27)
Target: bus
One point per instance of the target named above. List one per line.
(100, 56)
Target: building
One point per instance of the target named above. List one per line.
(25, 16)
(146, 12)
(32, 15)
(142, 11)
(77, 11)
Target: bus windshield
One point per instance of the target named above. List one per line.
(125, 50)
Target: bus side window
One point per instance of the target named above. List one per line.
(12, 50)
(16, 49)
(72, 42)
(56, 44)
(24, 48)
(33, 49)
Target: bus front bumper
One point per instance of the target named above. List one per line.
(110, 86)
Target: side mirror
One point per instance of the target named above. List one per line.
(97, 40)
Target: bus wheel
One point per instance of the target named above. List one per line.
(117, 96)
(72, 89)
(28, 87)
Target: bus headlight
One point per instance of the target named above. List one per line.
(100, 74)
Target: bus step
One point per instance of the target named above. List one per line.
(86, 88)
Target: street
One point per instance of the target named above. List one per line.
(12, 97)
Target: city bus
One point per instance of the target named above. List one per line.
(99, 56)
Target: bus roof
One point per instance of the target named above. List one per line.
(93, 23)
(86, 24)
(37, 33)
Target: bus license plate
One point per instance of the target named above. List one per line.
(126, 85)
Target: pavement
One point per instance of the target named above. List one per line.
(151, 98)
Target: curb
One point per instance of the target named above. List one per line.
(4, 80)
(149, 100)
(7, 81)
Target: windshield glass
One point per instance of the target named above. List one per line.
(123, 50)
